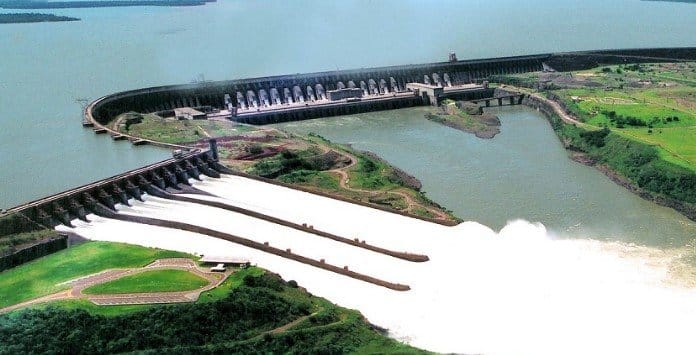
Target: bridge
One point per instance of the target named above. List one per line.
(505, 99)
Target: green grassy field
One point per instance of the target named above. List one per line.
(43, 276)
(663, 114)
(223, 290)
(676, 144)
(150, 281)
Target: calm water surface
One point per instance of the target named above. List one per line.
(523, 172)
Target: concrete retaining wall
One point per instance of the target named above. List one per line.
(34, 251)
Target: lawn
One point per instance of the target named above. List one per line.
(223, 290)
(150, 281)
(43, 276)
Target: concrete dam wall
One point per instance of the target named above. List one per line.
(294, 97)
(63, 207)
(386, 85)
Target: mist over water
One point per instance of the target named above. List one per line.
(517, 291)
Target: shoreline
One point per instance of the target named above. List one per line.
(545, 107)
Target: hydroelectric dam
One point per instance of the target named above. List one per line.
(268, 222)
(303, 96)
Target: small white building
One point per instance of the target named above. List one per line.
(222, 261)
(187, 113)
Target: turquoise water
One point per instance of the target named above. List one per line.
(44, 67)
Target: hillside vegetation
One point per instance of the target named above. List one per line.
(261, 315)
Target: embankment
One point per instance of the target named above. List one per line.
(23, 240)
(631, 164)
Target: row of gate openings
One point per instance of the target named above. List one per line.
(296, 95)
(272, 95)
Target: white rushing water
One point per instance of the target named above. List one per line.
(518, 291)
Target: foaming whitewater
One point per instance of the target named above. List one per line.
(518, 291)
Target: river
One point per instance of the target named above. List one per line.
(523, 172)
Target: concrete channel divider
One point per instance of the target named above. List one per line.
(308, 229)
(107, 213)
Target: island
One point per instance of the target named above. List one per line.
(14, 4)
(467, 117)
(33, 17)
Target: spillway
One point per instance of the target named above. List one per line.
(517, 291)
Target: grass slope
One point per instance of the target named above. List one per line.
(150, 281)
(43, 276)
(639, 120)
